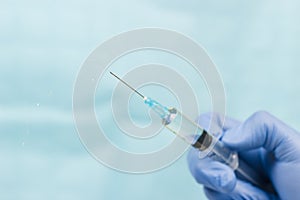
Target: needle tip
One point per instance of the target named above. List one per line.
(127, 84)
(114, 75)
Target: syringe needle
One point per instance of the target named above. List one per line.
(127, 85)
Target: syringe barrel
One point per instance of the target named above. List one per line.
(225, 155)
(209, 145)
(199, 138)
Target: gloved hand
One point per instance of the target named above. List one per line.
(266, 144)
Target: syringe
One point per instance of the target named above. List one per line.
(202, 140)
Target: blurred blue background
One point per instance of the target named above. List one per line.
(255, 45)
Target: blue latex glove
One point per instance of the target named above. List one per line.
(266, 144)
